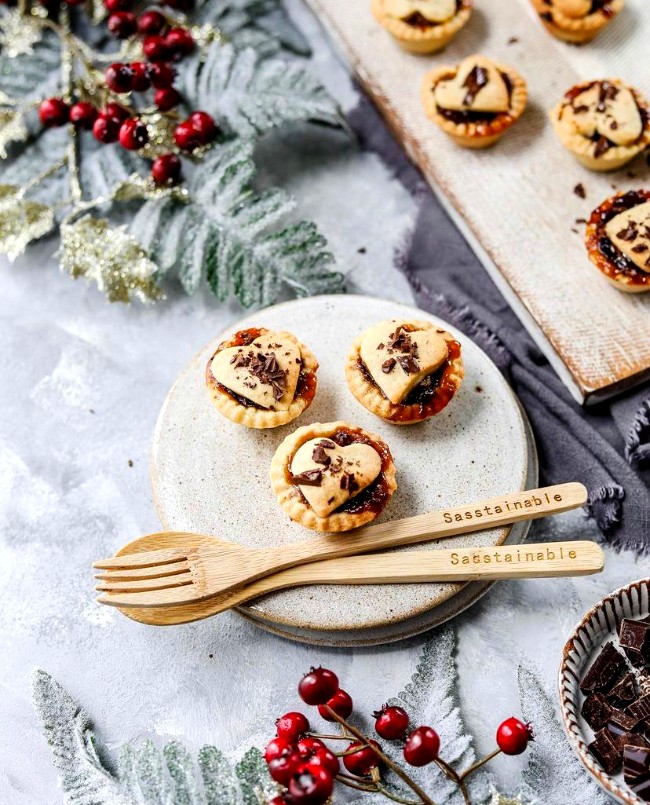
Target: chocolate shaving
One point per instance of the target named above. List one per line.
(319, 456)
(602, 145)
(309, 478)
(607, 93)
(388, 366)
(630, 232)
(476, 79)
(579, 190)
(410, 366)
(640, 248)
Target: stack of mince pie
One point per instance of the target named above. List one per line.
(335, 476)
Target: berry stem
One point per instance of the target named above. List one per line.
(329, 737)
(452, 774)
(394, 767)
(351, 783)
(479, 763)
(351, 751)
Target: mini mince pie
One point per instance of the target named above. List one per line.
(404, 371)
(422, 26)
(576, 21)
(603, 123)
(261, 378)
(618, 240)
(474, 102)
(333, 477)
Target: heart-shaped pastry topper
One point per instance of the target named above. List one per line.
(576, 9)
(478, 86)
(328, 475)
(606, 109)
(399, 359)
(265, 371)
(432, 10)
(630, 233)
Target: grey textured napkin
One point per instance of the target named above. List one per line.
(606, 446)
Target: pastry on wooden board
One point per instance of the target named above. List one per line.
(577, 21)
(422, 26)
(261, 378)
(474, 102)
(603, 123)
(404, 371)
(333, 476)
(618, 240)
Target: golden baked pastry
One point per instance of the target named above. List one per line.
(333, 476)
(577, 21)
(261, 378)
(404, 371)
(422, 26)
(474, 102)
(618, 240)
(603, 123)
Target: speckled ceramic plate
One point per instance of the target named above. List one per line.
(211, 476)
(598, 626)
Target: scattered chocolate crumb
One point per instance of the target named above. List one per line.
(513, 40)
(579, 190)
(629, 233)
(130, 462)
(362, 250)
(581, 220)
(574, 230)
(210, 656)
(602, 145)
(640, 248)
(91, 410)
(478, 389)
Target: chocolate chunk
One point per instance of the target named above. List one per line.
(629, 233)
(640, 248)
(596, 711)
(620, 723)
(476, 79)
(579, 190)
(635, 634)
(327, 444)
(410, 366)
(640, 709)
(605, 669)
(604, 749)
(309, 478)
(388, 366)
(636, 770)
(624, 691)
(602, 145)
(635, 657)
(513, 40)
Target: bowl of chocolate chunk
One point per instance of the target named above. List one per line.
(605, 692)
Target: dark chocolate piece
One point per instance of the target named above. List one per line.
(309, 478)
(579, 190)
(623, 692)
(319, 456)
(605, 669)
(635, 657)
(476, 79)
(635, 635)
(388, 365)
(604, 749)
(636, 770)
(596, 711)
(640, 709)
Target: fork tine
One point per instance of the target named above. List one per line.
(147, 585)
(155, 598)
(164, 556)
(157, 571)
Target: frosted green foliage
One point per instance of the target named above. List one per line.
(554, 774)
(250, 94)
(228, 235)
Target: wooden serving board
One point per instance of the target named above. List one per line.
(515, 203)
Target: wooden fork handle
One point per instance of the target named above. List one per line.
(492, 513)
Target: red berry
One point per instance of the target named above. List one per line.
(279, 800)
(161, 75)
(151, 23)
(362, 762)
(119, 77)
(106, 129)
(83, 115)
(186, 136)
(155, 48)
(310, 785)
(140, 81)
(391, 723)
(116, 5)
(53, 112)
(422, 746)
(122, 24)
(341, 703)
(291, 726)
(166, 99)
(205, 125)
(180, 42)
(166, 169)
(513, 736)
(115, 112)
(133, 134)
(277, 747)
(284, 767)
(319, 685)
(313, 750)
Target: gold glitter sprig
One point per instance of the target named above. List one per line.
(21, 221)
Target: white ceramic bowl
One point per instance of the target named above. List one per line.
(598, 626)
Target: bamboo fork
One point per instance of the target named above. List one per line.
(176, 576)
